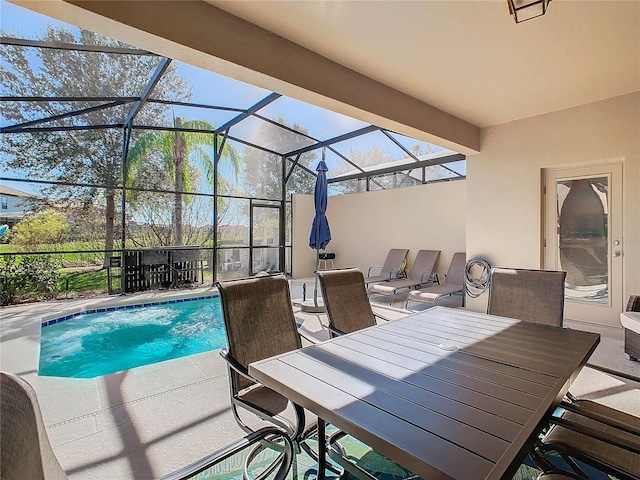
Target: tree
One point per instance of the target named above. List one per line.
(92, 157)
(376, 155)
(42, 228)
(181, 153)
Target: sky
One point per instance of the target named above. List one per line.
(211, 88)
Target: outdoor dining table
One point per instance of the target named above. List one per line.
(447, 393)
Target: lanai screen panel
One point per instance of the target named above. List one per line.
(75, 73)
(84, 157)
(233, 222)
(370, 151)
(336, 162)
(451, 170)
(269, 135)
(415, 146)
(301, 181)
(259, 173)
(172, 161)
(403, 178)
(317, 122)
(181, 116)
(210, 88)
(75, 121)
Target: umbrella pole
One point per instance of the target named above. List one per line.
(309, 307)
(315, 287)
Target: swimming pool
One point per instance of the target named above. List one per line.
(99, 342)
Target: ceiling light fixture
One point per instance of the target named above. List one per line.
(522, 10)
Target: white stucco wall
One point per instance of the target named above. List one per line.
(365, 226)
(502, 217)
(504, 180)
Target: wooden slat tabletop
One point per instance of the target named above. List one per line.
(468, 413)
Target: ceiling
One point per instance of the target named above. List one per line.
(469, 58)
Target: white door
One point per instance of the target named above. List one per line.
(583, 236)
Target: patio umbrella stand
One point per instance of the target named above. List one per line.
(320, 233)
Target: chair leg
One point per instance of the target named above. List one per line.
(538, 458)
(632, 344)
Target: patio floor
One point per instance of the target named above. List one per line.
(148, 421)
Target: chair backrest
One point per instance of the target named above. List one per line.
(258, 319)
(455, 274)
(25, 451)
(423, 264)
(535, 296)
(634, 304)
(345, 297)
(394, 261)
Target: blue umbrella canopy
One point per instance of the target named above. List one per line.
(320, 233)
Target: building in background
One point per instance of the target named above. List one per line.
(13, 205)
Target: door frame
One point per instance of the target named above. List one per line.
(607, 314)
(253, 205)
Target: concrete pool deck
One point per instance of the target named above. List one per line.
(148, 421)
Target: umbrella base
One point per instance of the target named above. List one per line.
(310, 307)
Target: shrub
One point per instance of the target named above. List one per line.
(27, 276)
(6, 237)
(47, 227)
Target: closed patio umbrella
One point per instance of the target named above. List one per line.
(320, 233)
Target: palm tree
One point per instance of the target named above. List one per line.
(180, 152)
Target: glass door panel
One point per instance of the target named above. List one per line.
(266, 260)
(583, 247)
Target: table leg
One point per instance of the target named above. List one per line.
(322, 449)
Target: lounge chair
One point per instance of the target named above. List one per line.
(259, 323)
(418, 276)
(391, 268)
(453, 283)
(25, 451)
(345, 297)
(535, 296)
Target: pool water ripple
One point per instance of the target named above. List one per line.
(96, 344)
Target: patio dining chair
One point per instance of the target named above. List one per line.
(453, 284)
(419, 275)
(535, 296)
(259, 323)
(349, 310)
(392, 267)
(599, 436)
(558, 475)
(26, 453)
(345, 298)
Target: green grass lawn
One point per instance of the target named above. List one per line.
(6, 248)
(80, 272)
(83, 279)
(91, 279)
(65, 258)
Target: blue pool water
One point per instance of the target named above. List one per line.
(95, 344)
